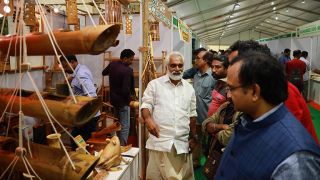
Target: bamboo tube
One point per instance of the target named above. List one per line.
(89, 40)
(62, 108)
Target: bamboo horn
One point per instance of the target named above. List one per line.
(62, 108)
(89, 40)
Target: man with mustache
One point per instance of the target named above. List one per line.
(219, 68)
(169, 111)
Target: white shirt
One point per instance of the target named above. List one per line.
(306, 74)
(171, 107)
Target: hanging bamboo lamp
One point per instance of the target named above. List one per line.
(129, 24)
(113, 13)
(155, 31)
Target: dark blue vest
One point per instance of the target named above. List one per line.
(257, 149)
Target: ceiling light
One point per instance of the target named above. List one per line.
(7, 9)
(303, 2)
(277, 18)
(56, 9)
(287, 10)
(272, 3)
(237, 5)
(274, 8)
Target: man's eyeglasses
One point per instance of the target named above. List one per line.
(175, 65)
(232, 88)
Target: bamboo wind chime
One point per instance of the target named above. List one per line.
(149, 70)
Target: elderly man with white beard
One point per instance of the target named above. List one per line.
(169, 111)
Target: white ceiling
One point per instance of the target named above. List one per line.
(211, 19)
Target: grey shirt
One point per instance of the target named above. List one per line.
(300, 165)
(203, 85)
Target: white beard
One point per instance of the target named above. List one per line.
(175, 77)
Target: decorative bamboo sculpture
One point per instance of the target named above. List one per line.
(48, 163)
(62, 108)
(111, 154)
(72, 12)
(89, 40)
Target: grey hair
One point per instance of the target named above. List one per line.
(173, 54)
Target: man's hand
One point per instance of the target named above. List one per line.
(193, 143)
(152, 127)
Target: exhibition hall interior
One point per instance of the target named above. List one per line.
(159, 89)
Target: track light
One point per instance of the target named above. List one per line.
(303, 2)
(237, 5)
(277, 18)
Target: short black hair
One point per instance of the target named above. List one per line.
(267, 72)
(286, 50)
(69, 58)
(213, 52)
(208, 57)
(126, 53)
(197, 51)
(249, 45)
(296, 53)
(223, 59)
(304, 53)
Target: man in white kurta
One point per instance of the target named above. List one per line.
(169, 111)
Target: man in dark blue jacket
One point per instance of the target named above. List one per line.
(268, 141)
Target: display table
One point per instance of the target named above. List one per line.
(129, 171)
(314, 92)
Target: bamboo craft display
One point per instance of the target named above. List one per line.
(30, 14)
(113, 14)
(89, 40)
(72, 12)
(48, 163)
(155, 31)
(62, 108)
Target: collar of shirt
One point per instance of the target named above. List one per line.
(261, 118)
(75, 70)
(208, 72)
